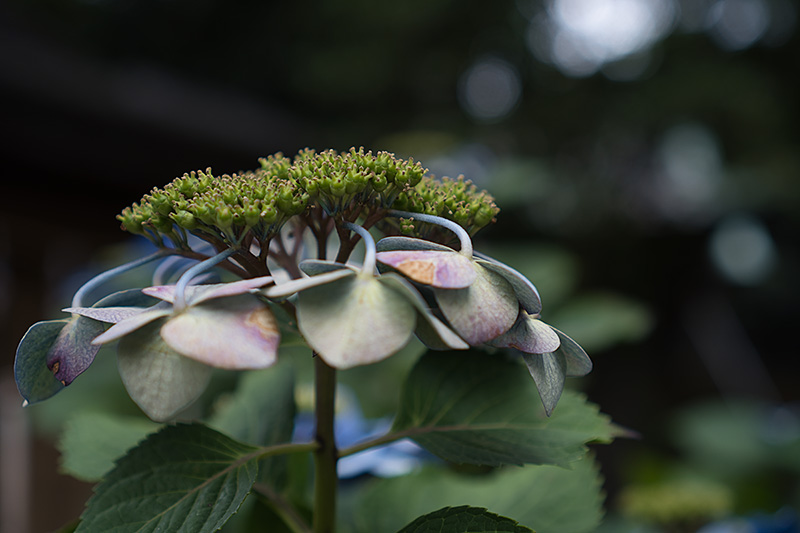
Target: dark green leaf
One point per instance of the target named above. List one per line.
(34, 380)
(472, 407)
(92, 441)
(463, 519)
(599, 320)
(261, 412)
(549, 499)
(185, 478)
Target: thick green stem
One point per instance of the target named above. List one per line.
(326, 455)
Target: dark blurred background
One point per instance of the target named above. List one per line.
(644, 154)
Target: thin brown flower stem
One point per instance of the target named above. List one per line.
(191, 254)
(326, 455)
(250, 263)
(283, 508)
(346, 244)
(299, 229)
(282, 257)
(322, 247)
(321, 227)
(263, 251)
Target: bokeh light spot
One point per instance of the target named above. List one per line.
(490, 89)
(742, 250)
(586, 34)
(738, 24)
(691, 173)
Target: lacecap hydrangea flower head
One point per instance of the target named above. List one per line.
(268, 232)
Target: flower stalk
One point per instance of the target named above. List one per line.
(103, 277)
(369, 255)
(196, 270)
(463, 236)
(326, 455)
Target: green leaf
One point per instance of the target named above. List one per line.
(92, 441)
(554, 270)
(160, 380)
(34, 380)
(600, 320)
(463, 519)
(185, 478)
(261, 412)
(549, 499)
(476, 408)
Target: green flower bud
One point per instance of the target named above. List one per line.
(230, 195)
(161, 223)
(160, 202)
(129, 221)
(379, 181)
(312, 186)
(184, 219)
(224, 217)
(252, 213)
(338, 187)
(204, 212)
(484, 215)
(269, 214)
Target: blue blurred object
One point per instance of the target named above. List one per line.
(784, 521)
(395, 459)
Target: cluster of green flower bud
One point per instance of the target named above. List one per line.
(458, 200)
(259, 202)
(338, 181)
(224, 206)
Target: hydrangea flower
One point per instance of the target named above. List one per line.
(170, 336)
